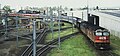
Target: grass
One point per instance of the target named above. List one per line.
(66, 25)
(75, 46)
(62, 33)
(115, 43)
(115, 40)
(56, 27)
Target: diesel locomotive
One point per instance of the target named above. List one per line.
(99, 36)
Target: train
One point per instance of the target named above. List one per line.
(99, 36)
(25, 13)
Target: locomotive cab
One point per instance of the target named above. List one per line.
(102, 38)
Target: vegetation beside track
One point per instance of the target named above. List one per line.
(65, 25)
(75, 46)
(62, 33)
(55, 24)
(115, 43)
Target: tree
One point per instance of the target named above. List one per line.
(54, 8)
(65, 8)
(7, 9)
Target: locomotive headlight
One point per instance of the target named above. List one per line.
(98, 33)
(102, 38)
(106, 33)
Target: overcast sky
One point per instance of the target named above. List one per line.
(17, 4)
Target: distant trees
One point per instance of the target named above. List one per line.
(31, 8)
(7, 9)
(42, 9)
(66, 8)
(54, 8)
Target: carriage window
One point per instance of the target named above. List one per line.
(106, 34)
(98, 33)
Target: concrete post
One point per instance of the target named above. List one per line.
(34, 38)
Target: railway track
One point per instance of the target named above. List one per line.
(28, 51)
(45, 49)
(39, 39)
(105, 53)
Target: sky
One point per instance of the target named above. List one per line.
(17, 4)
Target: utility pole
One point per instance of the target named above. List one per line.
(47, 13)
(34, 37)
(72, 22)
(17, 30)
(21, 8)
(68, 18)
(59, 26)
(87, 9)
(72, 18)
(51, 17)
(0, 12)
(82, 15)
(6, 26)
